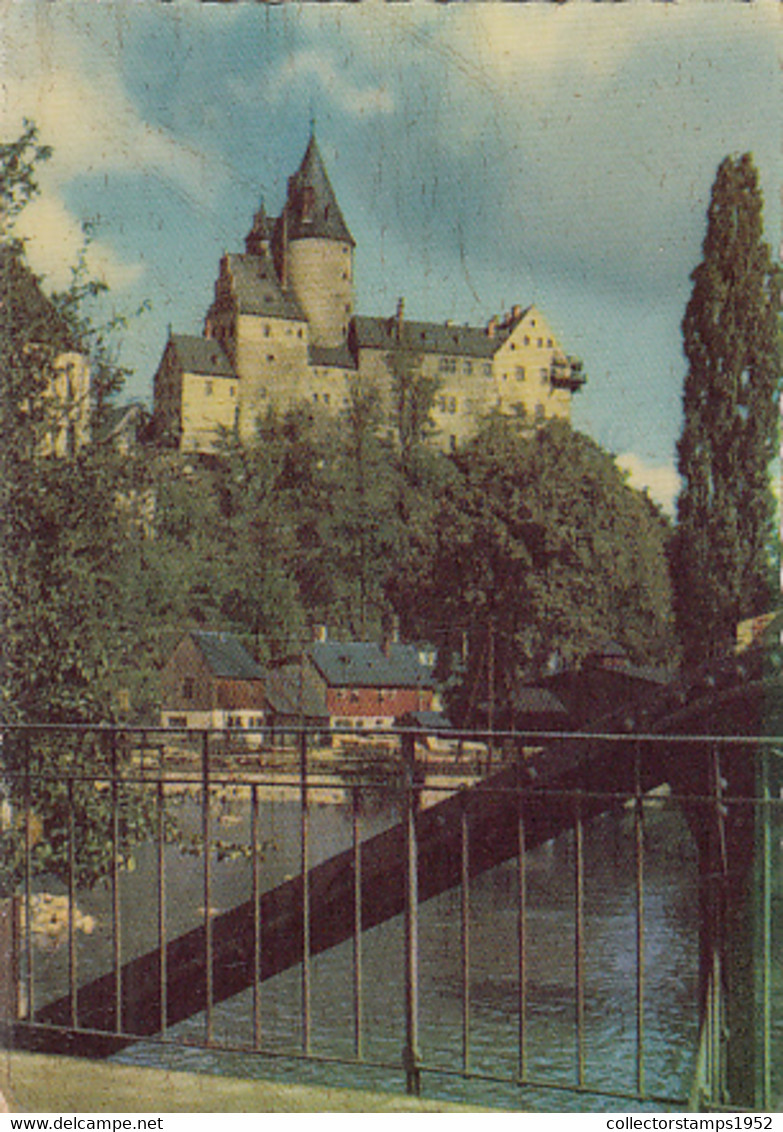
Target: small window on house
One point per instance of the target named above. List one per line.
(299, 332)
(308, 202)
(519, 373)
(231, 390)
(544, 375)
(267, 330)
(467, 367)
(527, 339)
(452, 404)
(326, 398)
(452, 443)
(207, 388)
(315, 398)
(549, 342)
(539, 412)
(188, 688)
(539, 342)
(270, 357)
(178, 721)
(487, 369)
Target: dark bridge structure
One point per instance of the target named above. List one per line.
(710, 738)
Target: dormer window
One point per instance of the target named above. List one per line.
(308, 202)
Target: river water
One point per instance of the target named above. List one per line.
(610, 1030)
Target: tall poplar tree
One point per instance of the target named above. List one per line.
(722, 554)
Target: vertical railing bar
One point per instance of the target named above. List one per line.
(522, 933)
(115, 886)
(358, 989)
(411, 1053)
(766, 913)
(640, 971)
(161, 865)
(72, 972)
(579, 942)
(206, 825)
(28, 882)
(465, 933)
(304, 858)
(256, 882)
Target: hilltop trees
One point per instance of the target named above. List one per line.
(722, 556)
(537, 541)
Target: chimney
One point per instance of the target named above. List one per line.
(398, 316)
(516, 312)
(320, 634)
(492, 326)
(390, 635)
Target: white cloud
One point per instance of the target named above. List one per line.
(55, 239)
(75, 98)
(335, 83)
(660, 480)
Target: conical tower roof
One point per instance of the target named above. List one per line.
(311, 209)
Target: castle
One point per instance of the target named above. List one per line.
(282, 331)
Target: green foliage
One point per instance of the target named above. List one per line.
(723, 558)
(539, 542)
(413, 394)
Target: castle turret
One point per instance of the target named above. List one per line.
(313, 251)
(257, 239)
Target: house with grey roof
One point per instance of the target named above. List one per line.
(210, 680)
(282, 331)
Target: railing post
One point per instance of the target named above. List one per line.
(115, 885)
(206, 835)
(358, 1005)
(640, 963)
(304, 862)
(411, 1056)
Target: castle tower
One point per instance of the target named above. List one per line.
(313, 251)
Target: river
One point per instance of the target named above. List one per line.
(610, 1031)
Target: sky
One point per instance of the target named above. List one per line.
(483, 155)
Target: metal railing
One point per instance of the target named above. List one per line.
(373, 831)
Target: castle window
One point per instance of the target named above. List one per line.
(520, 373)
(540, 343)
(527, 339)
(231, 390)
(315, 398)
(549, 342)
(299, 332)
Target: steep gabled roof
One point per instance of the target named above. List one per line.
(363, 664)
(225, 656)
(201, 355)
(258, 291)
(311, 208)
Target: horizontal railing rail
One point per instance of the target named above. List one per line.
(372, 831)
